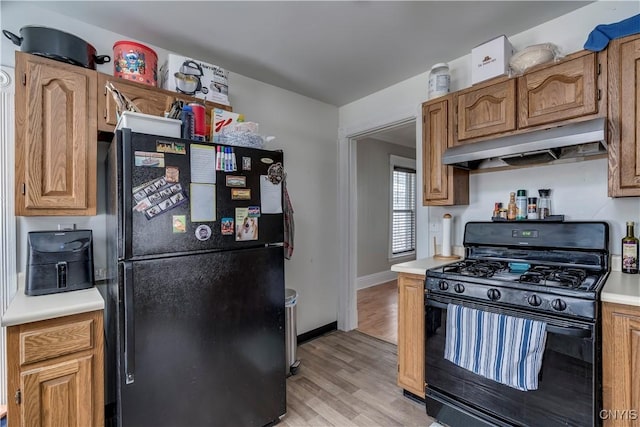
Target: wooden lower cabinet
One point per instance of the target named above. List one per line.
(621, 365)
(56, 372)
(411, 333)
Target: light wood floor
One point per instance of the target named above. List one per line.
(378, 311)
(349, 379)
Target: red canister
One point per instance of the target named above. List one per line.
(136, 62)
(199, 122)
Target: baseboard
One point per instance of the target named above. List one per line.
(376, 279)
(317, 332)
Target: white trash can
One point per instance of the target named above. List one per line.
(291, 331)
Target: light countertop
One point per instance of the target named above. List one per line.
(24, 308)
(620, 288)
(420, 266)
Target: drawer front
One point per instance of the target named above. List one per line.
(48, 343)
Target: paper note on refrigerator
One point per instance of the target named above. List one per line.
(203, 202)
(203, 164)
(270, 196)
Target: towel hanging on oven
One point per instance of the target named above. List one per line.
(501, 348)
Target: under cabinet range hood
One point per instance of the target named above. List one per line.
(542, 146)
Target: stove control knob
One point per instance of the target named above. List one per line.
(558, 304)
(459, 288)
(493, 294)
(443, 285)
(535, 300)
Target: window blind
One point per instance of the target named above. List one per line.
(403, 221)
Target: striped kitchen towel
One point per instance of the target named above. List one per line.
(501, 348)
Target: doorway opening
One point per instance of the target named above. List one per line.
(385, 203)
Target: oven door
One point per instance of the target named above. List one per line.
(569, 381)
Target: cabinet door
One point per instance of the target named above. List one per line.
(411, 333)
(558, 92)
(442, 185)
(55, 368)
(56, 138)
(624, 116)
(148, 99)
(59, 395)
(487, 111)
(621, 364)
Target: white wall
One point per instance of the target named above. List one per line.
(577, 187)
(305, 129)
(374, 192)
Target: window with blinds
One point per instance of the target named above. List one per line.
(403, 211)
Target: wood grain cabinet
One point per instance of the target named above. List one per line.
(56, 138)
(621, 364)
(549, 94)
(149, 99)
(624, 116)
(559, 91)
(442, 184)
(56, 373)
(486, 110)
(411, 333)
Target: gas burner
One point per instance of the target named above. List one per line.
(476, 268)
(532, 277)
(570, 277)
(554, 276)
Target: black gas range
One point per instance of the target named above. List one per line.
(544, 271)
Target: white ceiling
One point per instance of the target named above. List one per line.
(333, 51)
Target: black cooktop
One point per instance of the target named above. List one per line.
(549, 276)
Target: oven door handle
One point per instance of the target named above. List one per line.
(574, 332)
(552, 329)
(437, 304)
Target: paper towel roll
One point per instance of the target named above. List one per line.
(446, 235)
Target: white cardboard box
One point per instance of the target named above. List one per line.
(214, 80)
(147, 123)
(221, 118)
(490, 59)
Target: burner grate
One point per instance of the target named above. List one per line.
(554, 276)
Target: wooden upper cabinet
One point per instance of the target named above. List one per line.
(487, 110)
(624, 116)
(149, 99)
(559, 91)
(442, 184)
(56, 138)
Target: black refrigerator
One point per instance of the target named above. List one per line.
(194, 309)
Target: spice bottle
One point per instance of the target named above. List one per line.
(544, 203)
(521, 205)
(511, 207)
(630, 251)
(532, 208)
(496, 209)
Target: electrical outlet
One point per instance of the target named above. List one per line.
(66, 226)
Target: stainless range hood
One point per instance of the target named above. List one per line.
(542, 146)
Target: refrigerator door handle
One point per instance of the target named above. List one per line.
(127, 185)
(129, 334)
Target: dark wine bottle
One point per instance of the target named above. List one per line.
(630, 251)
